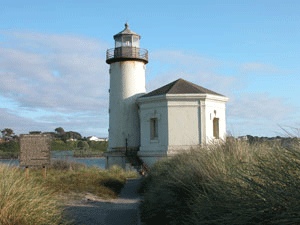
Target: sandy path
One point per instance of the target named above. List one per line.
(94, 210)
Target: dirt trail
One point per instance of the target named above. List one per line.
(121, 211)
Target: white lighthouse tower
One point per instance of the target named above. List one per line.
(127, 81)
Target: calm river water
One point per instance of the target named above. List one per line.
(66, 155)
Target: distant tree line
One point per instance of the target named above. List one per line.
(61, 140)
(61, 134)
(285, 141)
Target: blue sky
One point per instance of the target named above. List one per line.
(53, 71)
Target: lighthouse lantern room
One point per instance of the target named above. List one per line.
(127, 38)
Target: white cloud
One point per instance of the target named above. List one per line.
(259, 106)
(54, 71)
(19, 124)
(194, 68)
(256, 67)
(258, 114)
(64, 75)
(181, 58)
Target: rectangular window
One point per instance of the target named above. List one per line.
(216, 128)
(154, 128)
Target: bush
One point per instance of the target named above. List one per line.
(98, 145)
(66, 165)
(11, 146)
(83, 145)
(59, 145)
(228, 183)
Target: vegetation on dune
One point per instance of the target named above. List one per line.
(24, 201)
(228, 183)
(38, 201)
(78, 178)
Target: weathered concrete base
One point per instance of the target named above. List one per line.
(117, 158)
(151, 160)
(149, 157)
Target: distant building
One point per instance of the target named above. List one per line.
(93, 138)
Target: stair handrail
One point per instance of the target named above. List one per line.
(132, 153)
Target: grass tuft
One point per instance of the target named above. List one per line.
(66, 165)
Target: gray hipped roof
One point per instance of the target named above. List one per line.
(126, 31)
(180, 86)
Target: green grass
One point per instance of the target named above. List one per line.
(59, 145)
(229, 183)
(68, 177)
(9, 155)
(93, 146)
(37, 200)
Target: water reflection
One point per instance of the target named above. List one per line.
(65, 155)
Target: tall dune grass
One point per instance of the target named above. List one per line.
(227, 183)
(23, 201)
(37, 200)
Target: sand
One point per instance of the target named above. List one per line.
(90, 209)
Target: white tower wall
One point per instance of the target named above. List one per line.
(215, 109)
(127, 82)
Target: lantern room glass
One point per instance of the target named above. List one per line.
(127, 41)
(118, 42)
(135, 41)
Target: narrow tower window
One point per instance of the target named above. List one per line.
(153, 127)
(216, 128)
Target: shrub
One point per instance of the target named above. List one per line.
(98, 145)
(83, 145)
(227, 183)
(11, 146)
(59, 145)
(66, 165)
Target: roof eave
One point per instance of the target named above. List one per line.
(181, 97)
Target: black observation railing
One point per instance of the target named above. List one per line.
(126, 53)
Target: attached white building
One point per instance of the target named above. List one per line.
(175, 117)
(178, 116)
